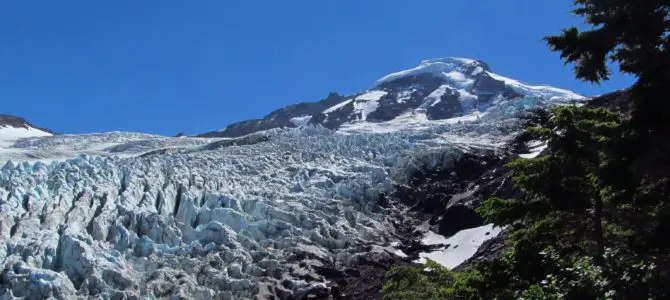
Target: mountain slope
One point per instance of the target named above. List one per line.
(437, 89)
(277, 212)
(14, 129)
(20, 128)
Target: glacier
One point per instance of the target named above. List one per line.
(129, 215)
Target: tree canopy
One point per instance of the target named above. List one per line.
(633, 34)
(593, 220)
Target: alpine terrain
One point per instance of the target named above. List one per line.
(291, 206)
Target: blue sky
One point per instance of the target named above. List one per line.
(192, 66)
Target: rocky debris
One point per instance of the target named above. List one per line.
(366, 279)
(450, 195)
(447, 194)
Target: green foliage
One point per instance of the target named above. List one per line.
(565, 191)
(594, 218)
(406, 282)
(432, 282)
(630, 32)
(572, 208)
(576, 278)
(634, 34)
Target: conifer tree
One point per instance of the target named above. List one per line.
(632, 33)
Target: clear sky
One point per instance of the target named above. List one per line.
(193, 66)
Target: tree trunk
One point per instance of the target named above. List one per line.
(598, 227)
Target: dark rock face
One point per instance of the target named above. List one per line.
(334, 119)
(18, 122)
(278, 118)
(458, 217)
(619, 101)
(445, 196)
(389, 108)
(404, 94)
(486, 84)
(450, 195)
(448, 107)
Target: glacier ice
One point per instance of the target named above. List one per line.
(206, 220)
(130, 215)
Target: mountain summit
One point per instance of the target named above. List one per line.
(437, 89)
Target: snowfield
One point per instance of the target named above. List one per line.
(10, 134)
(459, 247)
(116, 215)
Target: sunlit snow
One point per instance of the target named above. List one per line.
(535, 147)
(9, 134)
(459, 247)
(368, 103)
(551, 93)
(300, 121)
(337, 106)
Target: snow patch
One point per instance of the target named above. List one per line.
(435, 97)
(457, 71)
(549, 92)
(404, 96)
(300, 121)
(372, 96)
(468, 101)
(337, 106)
(535, 147)
(477, 71)
(459, 79)
(48, 148)
(9, 134)
(460, 247)
(368, 103)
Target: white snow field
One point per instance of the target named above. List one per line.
(10, 135)
(459, 247)
(116, 215)
(458, 73)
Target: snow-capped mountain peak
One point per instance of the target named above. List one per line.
(441, 89)
(260, 212)
(449, 68)
(465, 73)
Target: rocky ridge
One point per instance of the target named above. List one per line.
(437, 89)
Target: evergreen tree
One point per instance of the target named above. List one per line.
(594, 218)
(636, 35)
(564, 187)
